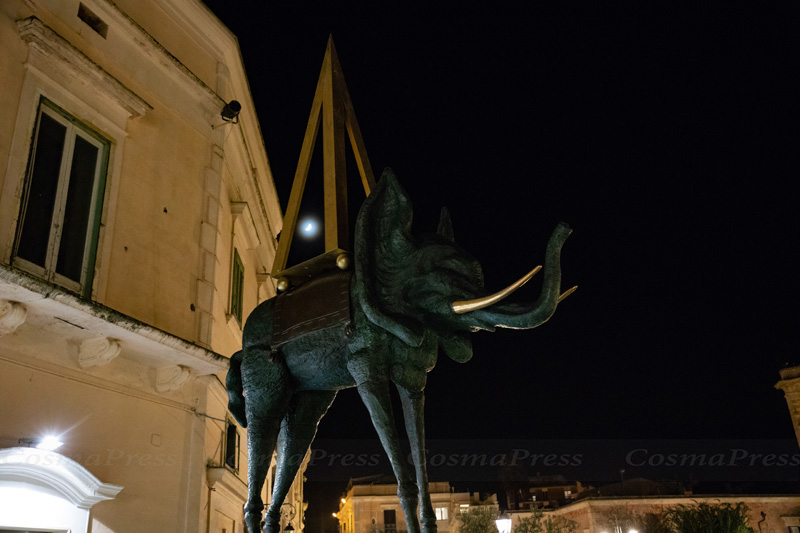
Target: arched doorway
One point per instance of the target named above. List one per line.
(46, 492)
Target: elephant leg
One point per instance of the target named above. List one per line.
(375, 395)
(298, 429)
(267, 394)
(413, 412)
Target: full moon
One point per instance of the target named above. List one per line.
(309, 228)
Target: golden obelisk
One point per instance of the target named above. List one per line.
(334, 110)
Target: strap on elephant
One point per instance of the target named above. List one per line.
(321, 303)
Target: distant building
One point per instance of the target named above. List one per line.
(543, 491)
(136, 225)
(781, 514)
(636, 487)
(790, 385)
(371, 505)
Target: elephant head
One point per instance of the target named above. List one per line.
(411, 286)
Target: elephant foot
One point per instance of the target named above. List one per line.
(271, 525)
(429, 527)
(253, 521)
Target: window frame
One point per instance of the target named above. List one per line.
(231, 425)
(236, 305)
(75, 128)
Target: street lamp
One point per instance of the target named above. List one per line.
(288, 513)
(503, 524)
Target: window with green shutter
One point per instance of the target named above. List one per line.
(237, 286)
(232, 444)
(62, 201)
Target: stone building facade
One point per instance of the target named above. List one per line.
(781, 514)
(373, 507)
(136, 228)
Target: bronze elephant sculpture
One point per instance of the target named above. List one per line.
(407, 299)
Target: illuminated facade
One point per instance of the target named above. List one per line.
(135, 227)
(776, 514)
(373, 507)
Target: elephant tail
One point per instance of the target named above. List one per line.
(233, 383)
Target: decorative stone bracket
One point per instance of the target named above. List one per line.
(12, 316)
(170, 378)
(97, 352)
(242, 215)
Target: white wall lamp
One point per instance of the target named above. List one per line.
(48, 443)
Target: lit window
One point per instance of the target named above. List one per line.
(568, 494)
(464, 507)
(232, 446)
(237, 286)
(441, 513)
(61, 206)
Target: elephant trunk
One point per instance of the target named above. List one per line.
(517, 316)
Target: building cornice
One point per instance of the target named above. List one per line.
(53, 46)
(138, 340)
(161, 56)
(220, 478)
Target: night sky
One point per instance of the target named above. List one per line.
(665, 133)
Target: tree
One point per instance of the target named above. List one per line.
(530, 524)
(620, 518)
(655, 523)
(704, 517)
(559, 524)
(538, 523)
(478, 520)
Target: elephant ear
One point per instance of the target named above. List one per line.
(384, 249)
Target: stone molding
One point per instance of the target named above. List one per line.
(162, 57)
(57, 49)
(58, 472)
(12, 316)
(241, 214)
(97, 352)
(101, 319)
(221, 478)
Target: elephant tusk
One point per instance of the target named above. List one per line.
(567, 293)
(465, 306)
